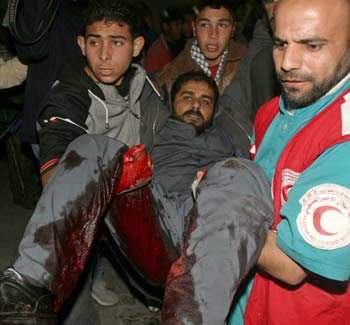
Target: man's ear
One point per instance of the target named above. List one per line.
(194, 27)
(137, 46)
(234, 25)
(81, 43)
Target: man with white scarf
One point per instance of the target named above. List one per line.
(212, 48)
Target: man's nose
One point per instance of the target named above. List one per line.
(105, 53)
(213, 32)
(196, 104)
(291, 58)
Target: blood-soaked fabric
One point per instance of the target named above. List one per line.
(59, 236)
(150, 224)
(141, 235)
(228, 227)
(136, 170)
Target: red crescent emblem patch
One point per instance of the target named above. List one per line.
(324, 218)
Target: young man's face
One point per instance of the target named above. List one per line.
(311, 51)
(213, 30)
(194, 104)
(109, 49)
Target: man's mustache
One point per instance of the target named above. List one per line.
(193, 112)
(294, 75)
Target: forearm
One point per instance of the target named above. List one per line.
(276, 263)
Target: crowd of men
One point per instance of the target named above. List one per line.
(260, 241)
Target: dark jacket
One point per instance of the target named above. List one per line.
(237, 126)
(45, 57)
(76, 105)
(179, 153)
(255, 82)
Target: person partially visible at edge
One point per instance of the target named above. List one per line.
(211, 50)
(302, 143)
(45, 57)
(255, 82)
(169, 44)
(188, 18)
(91, 116)
(12, 72)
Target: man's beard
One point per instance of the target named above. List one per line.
(200, 128)
(319, 89)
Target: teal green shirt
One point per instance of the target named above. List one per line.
(329, 174)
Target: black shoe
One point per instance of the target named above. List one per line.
(23, 303)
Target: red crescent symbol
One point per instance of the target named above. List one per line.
(318, 216)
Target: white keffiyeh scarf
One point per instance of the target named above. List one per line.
(198, 56)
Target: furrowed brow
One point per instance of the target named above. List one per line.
(117, 37)
(187, 92)
(302, 41)
(93, 35)
(108, 36)
(221, 20)
(225, 20)
(312, 40)
(279, 40)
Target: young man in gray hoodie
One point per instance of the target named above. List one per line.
(93, 113)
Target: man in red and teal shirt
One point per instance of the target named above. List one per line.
(302, 143)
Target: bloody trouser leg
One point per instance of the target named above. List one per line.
(60, 234)
(228, 228)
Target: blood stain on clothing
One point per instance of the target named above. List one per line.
(72, 160)
(232, 163)
(179, 304)
(69, 240)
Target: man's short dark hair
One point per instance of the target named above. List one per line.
(112, 11)
(198, 76)
(217, 4)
